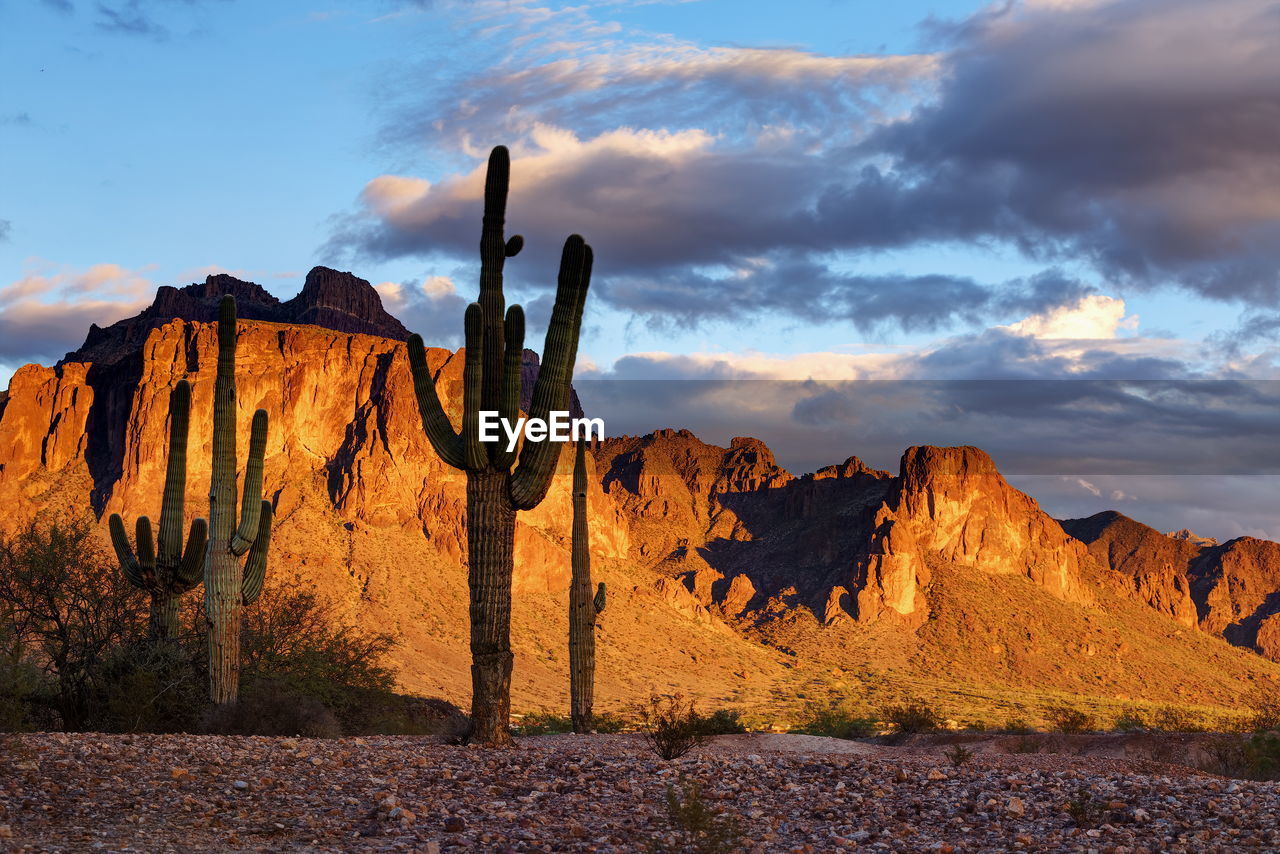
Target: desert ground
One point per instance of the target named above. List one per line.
(608, 793)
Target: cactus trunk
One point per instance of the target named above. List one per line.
(495, 490)
(491, 530)
(164, 623)
(582, 608)
(228, 586)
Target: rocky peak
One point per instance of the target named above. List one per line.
(1191, 537)
(345, 302)
(329, 298)
(850, 468)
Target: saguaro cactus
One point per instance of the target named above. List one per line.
(169, 572)
(583, 609)
(227, 585)
(496, 490)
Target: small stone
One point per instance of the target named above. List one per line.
(6, 832)
(935, 774)
(1140, 815)
(455, 824)
(240, 784)
(402, 815)
(1016, 807)
(179, 774)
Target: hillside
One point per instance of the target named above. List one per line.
(731, 579)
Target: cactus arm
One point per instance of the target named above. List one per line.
(124, 552)
(532, 478)
(601, 598)
(190, 571)
(146, 551)
(255, 567)
(493, 255)
(513, 363)
(435, 423)
(251, 505)
(472, 388)
(175, 477)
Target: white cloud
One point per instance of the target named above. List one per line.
(1093, 317)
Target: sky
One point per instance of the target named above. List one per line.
(1049, 228)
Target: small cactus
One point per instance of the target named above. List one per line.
(170, 571)
(583, 609)
(227, 585)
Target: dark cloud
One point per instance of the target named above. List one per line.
(130, 19)
(1135, 136)
(1138, 135)
(5, 228)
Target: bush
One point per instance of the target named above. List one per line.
(543, 723)
(959, 755)
(1174, 719)
(697, 827)
(65, 607)
(911, 717)
(834, 721)
(1130, 720)
(270, 708)
(609, 723)
(1017, 726)
(151, 687)
(1069, 720)
(1256, 757)
(671, 726)
(723, 722)
(1266, 712)
(1084, 808)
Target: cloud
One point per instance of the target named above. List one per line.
(431, 307)
(46, 313)
(1137, 135)
(1128, 136)
(1093, 316)
(6, 228)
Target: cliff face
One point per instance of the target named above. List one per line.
(726, 571)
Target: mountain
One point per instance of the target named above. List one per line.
(730, 578)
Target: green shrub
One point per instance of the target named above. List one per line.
(696, 826)
(543, 723)
(1174, 719)
(1266, 712)
(1131, 720)
(270, 708)
(959, 755)
(1070, 720)
(911, 717)
(1017, 726)
(609, 722)
(1256, 757)
(834, 721)
(671, 726)
(723, 722)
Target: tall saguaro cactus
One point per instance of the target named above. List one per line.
(168, 573)
(497, 485)
(227, 585)
(583, 609)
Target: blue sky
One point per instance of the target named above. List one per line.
(839, 189)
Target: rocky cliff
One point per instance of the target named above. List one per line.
(729, 575)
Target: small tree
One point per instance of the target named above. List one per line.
(64, 601)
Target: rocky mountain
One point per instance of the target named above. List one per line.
(730, 577)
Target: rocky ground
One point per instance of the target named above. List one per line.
(604, 794)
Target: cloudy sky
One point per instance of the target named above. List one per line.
(1050, 228)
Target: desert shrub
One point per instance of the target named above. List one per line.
(270, 708)
(295, 639)
(723, 722)
(1016, 726)
(671, 726)
(1130, 720)
(65, 605)
(1266, 712)
(976, 725)
(696, 826)
(609, 722)
(911, 717)
(1174, 719)
(959, 755)
(1084, 808)
(1027, 744)
(150, 687)
(1070, 720)
(20, 683)
(835, 721)
(543, 723)
(1256, 757)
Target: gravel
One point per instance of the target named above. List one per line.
(78, 792)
